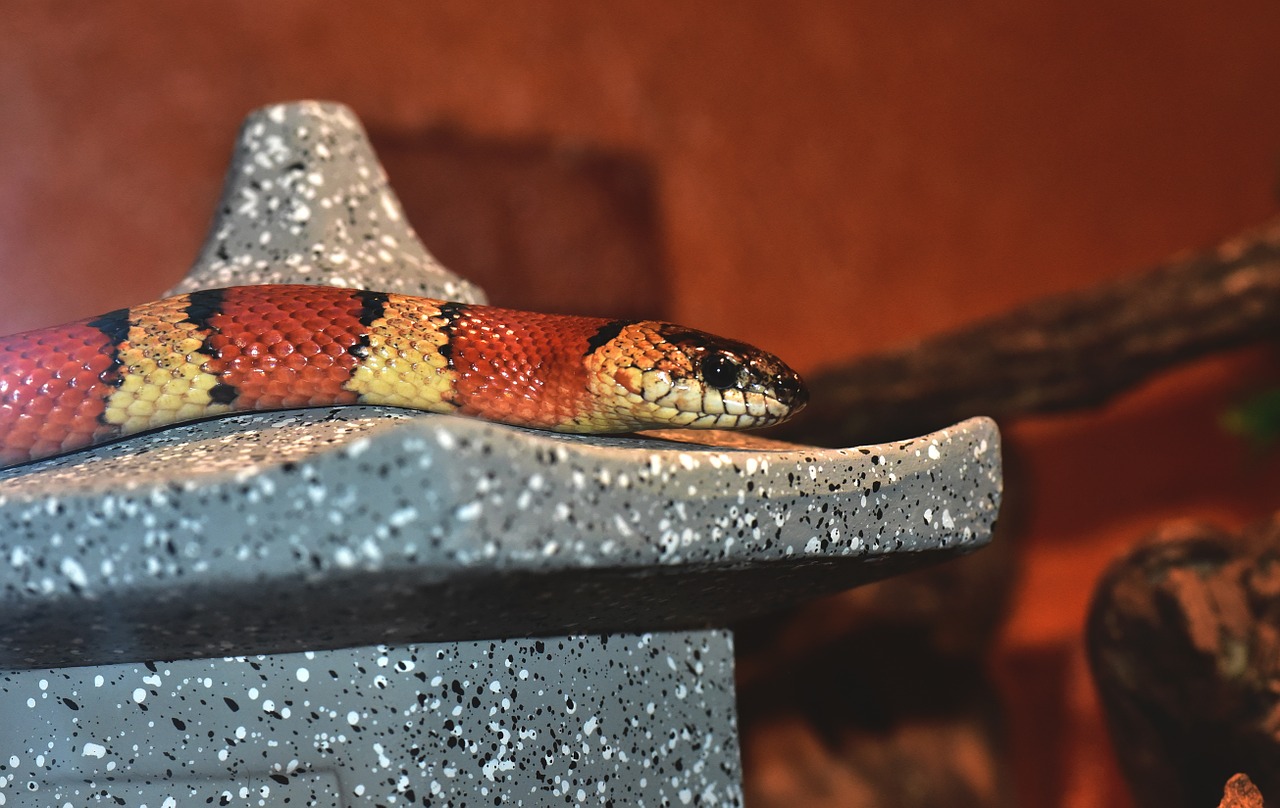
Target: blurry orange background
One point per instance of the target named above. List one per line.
(824, 179)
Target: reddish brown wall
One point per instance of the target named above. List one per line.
(826, 179)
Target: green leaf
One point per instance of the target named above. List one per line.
(1256, 419)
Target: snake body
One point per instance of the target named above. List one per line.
(268, 347)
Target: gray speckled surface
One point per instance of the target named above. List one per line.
(441, 528)
(526, 722)
(306, 201)
(329, 531)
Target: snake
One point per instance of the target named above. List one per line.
(274, 347)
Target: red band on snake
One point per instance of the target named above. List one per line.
(248, 348)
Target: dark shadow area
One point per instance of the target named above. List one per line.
(537, 224)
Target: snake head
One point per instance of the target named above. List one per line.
(675, 376)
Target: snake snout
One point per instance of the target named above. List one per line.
(791, 390)
(784, 386)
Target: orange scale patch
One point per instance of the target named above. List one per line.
(512, 367)
(264, 348)
(54, 384)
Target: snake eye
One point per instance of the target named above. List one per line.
(720, 370)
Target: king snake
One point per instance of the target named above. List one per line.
(244, 348)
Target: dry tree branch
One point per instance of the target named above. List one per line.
(1056, 354)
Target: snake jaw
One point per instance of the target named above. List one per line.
(631, 380)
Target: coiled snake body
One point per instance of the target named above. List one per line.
(245, 348)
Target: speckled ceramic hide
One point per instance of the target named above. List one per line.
(368, 557)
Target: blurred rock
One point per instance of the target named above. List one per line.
(1241, 793)
(1184, 642)
(871, 723)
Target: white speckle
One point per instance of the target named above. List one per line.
(98, 681)
(491, 767)
(687, 461)
(139, 695)
(44, 684)
(620, 524)
(591, 725)
(253, 693)
(947, 521)
(303, 674)
(358, 447)
(74, 572)
(934, 454)
(686, 796)
(344, 557)
(353, 718)
(94, 750)
(928, 515)
(389, 207)
(403, 516)
(14, 760)
(468, 512)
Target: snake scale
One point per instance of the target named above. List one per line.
(273, 347)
